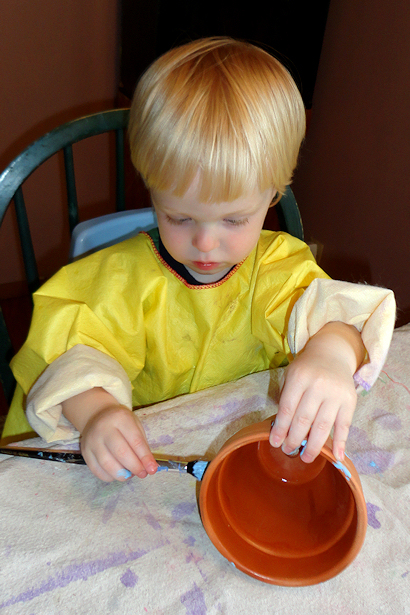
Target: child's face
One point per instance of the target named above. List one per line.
(210, 238)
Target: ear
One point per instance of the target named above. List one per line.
(276, 198)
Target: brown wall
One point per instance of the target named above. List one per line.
(353, 182)
(59, 61)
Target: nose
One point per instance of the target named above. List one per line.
(205, 240)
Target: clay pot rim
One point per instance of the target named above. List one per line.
(259, 432)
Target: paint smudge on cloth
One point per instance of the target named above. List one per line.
(372, 509)
(194, 601)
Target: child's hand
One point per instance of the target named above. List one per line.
(319, 392)
(113, 441)
(114, 445)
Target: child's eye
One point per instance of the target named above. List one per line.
(237, 222)
(177, 220)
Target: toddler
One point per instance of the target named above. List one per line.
(208, 297)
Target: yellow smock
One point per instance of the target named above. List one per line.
(170, 337)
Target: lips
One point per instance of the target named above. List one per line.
(205, 266)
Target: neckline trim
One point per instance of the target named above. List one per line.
(179, 277)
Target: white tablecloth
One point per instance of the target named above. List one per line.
(70, 543)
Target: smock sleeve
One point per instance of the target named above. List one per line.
(87, 331)
(79, 369)
(372, 310)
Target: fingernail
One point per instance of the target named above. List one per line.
(152, 468)
(304, 445)
(340, 455)
(124, 473)
(275, 441)
(290, 453)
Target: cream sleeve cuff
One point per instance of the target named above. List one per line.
(79, 369)
(372, 310)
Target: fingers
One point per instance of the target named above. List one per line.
(309, 412)
(289, 401)
(95, 467)
(341, 432)
(114, 446)
(134, 452)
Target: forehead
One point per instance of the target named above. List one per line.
(190, 203)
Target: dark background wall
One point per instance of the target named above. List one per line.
(292, 30)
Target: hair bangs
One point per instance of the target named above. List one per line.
(221, 110)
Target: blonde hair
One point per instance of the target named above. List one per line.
(221, 106)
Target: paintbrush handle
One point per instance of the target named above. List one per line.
(67, 456)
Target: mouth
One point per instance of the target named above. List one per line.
(203, 266)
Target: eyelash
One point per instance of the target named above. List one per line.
(237, 222)
(231, 222)
(176, 221)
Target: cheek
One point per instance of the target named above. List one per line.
(237, 247)
(244, 243)
(173, 238)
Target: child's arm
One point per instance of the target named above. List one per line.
(113, 439)
(319, 392)
(85, 391)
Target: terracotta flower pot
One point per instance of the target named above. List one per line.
(278, 519)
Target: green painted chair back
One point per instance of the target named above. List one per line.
(61, 138)
(12, 178)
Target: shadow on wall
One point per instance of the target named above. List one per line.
(352, 182)
(349, 267)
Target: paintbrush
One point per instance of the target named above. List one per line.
(194, 467)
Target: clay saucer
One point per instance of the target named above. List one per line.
(277, 518)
